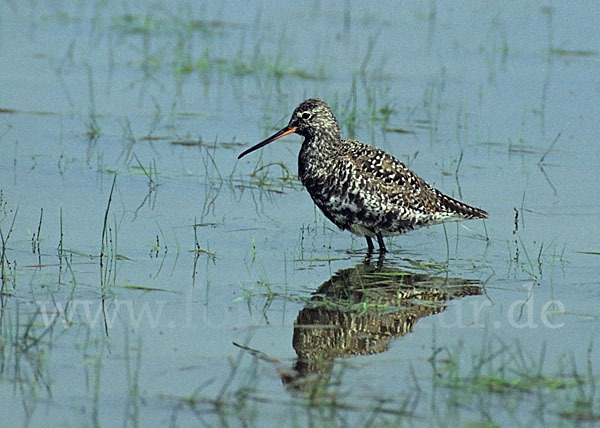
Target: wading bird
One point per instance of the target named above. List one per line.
(359, 187)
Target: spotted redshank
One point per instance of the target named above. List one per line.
(359, 187)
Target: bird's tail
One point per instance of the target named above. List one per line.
(460, 209)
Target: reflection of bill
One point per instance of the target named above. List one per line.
(358, 311)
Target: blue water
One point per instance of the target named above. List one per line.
(497, 83)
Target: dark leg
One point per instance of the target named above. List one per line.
(382, 248)
(370, 245)
(380, 260)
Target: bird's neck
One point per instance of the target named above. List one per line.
(320, 146)
(315, 158)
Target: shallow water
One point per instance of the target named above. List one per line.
(494, 104)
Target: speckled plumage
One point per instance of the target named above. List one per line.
(359, 187)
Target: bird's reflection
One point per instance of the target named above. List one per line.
(358, 311)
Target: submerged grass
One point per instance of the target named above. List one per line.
(7, 269)
(242, 401)
(240, 395)
(183, 29)
(242, 65)
(377, 110)
(501, 369)
(162, 21)
(573, 52)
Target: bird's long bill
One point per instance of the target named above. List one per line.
(285, 131)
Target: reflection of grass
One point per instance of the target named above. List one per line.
(272, 177)
(239, 396)
(375, 110)
(108, 247)
(153, 24)
(245, 394)
(593, 253)
(132, 372)
(6, 271)
(532, 264)
(36, 238)
(151, 172)
(241, 65)
(93, 129)
(26, 341)
(264, 178)
(505, 370)
(179, 31)
(183, 59)
(3, 206)
(573, 52)
(198, 250)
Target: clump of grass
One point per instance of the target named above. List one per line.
(198, 250)
(242, 65)
(36, 236)
(93, 129)
(23, 355)
(132, 374)
(228, 400)
(573, 52)
(501, 369)
(273, 177)
(60, 247)
(105, 240)
(108, 251)
(151, 172)
(4, 211)
(181, 30)
(375, 110)
(7, 269)
(263, 178)
(541, 161)
(153, 24)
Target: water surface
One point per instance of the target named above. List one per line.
(495, 104)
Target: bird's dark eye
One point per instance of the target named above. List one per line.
(305, 115)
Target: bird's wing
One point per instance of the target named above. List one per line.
(385, 180)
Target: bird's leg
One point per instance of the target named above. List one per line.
(382, 248)
(380, 260)
(370, 246)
